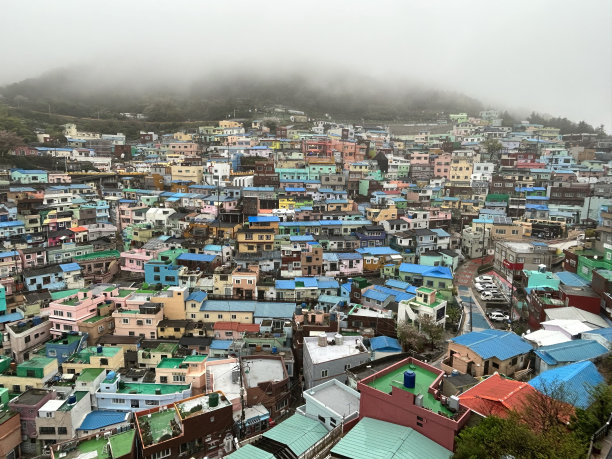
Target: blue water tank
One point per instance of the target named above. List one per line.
(99, 349)
(111, 375)
(332, 317)
(72, 399)
(36, 321)
(274, 350)
(409, 379)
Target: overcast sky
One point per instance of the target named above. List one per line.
(551, 56)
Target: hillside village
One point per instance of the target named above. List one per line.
(289, 287)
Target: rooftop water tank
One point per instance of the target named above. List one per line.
(339, 339)
(409, 379)
(111, 375)
(72, 399)
(213, 399)
(274, 350)
(99, 349)
(322, 339)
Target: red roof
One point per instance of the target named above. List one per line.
(497, 396)
(236, 326)
(77, 229)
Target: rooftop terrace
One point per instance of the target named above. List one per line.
(424, 379)
(120, 445)
(150, 389)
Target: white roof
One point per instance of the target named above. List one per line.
(546, 337)
(572, 327)
(51, 405)
(263, 370)
(577, 314)
(320, 354)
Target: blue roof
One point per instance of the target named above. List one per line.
(603, 332)
(571, 279)
(301, 238)
(441, 272)
(221, 344)
(578, 379)
(228, 305)
(99, 419)
(196, 257)
(571, 351)
(380, 343)
(394, 283)
(67, 267)
(198, 296)
(377, 251)
(10, 253)
(334, 299)
(11, 223)
(376, 295)
(11, 317)
(440, 232)
(494, 343)
(265, 219)
(264, 309)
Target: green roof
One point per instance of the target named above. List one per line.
(79, 394)
(372, 439)
(122, 444)
(195, 358)
(70, 338)
(89, 374)
(123, 293)
(100, 254)
(63, 294)
(71, 301)
(150, 388)
(297, 432)
(424, 290)
(170, 363)
(424, 379)
(36, 362)
(249, 451)
(159, 422)
(94, 319)
(165, 347)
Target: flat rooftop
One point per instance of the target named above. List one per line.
(150, 388)
(222, 379)
(263, 370)
(120, 445)
(159, 425)
(200, 404)
(320, 354)
(424, 379)
(336, 396)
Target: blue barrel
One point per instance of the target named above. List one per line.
(409, 379)
(274, 350)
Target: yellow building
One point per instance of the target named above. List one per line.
(192, 173)
(173, 301)
(461, 171)
(381, 215)
(229, 124)
(182, 136)
(108, 357)
(286, 203)
(33, 373)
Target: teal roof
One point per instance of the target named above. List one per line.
(250, 452)
(297, 432)
(372, 439)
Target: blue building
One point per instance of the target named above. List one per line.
(63, 347)
(558, 355)
(161, 272)
(47, 277)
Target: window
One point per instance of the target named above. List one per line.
(52, 353)
(125, 321)
(46, 430)
(324, 373)
(149, 321)
(233, 316)
(62, 431)
(207, 316)
(495, 365)
(151, 402)
(219, 316)
(514, 361)
(161, 454)
(347, 366)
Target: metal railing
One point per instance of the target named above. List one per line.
(598, 435)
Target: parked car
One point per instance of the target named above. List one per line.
(484, 280)
(498, 316)
(479, 287)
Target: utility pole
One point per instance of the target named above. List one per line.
(484, 229)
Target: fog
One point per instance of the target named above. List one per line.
(549, 56)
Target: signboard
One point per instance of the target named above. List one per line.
(513, 266)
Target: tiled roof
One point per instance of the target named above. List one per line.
(497, 396)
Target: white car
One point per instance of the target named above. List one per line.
(484, 280)
(479, 287)
(498, 316)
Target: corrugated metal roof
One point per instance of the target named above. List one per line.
(494, 343)
(571, 351)
(250, 452)
(374, 439)
(99, 419)
(384, 342)
(575, 381)
(297, 432)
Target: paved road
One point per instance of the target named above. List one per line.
(464, 277)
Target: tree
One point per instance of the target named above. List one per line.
(8, 141)
(510, 437)
(549, 406)
(410, 337)
(586, 422)
(493, 147)
(433, 331)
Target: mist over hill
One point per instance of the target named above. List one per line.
(88, 93)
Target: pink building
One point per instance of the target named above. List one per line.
(33, 256)
(417, 157)
(186, 148)
(233, 330)
(245, 282)
(59, 177)
(131, 213)
(190, 370)
(135, 259)
(442, 165)
(138, 322)
(66, 312)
